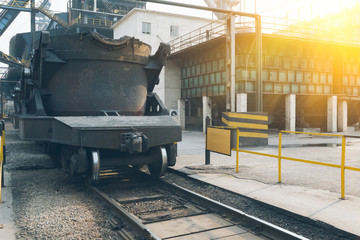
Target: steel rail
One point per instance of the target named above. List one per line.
(266, 228)
(127, 217)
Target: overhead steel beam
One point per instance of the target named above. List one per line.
(257, 17)
(15, 8)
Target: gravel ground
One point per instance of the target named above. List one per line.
(47, 204)
(306, 227)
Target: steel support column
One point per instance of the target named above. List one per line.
(230, 63)
(259, 85)
(32, 25)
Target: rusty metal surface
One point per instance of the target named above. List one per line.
(100, 131)
(98, 74)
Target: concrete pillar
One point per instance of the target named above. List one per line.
(181, 112)
(241, 102)
(342, 116)
(332, 114)
(206, 111)
(290, 112)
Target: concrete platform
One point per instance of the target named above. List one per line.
(308, 190)
(7, 224)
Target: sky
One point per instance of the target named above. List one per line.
(302, 9)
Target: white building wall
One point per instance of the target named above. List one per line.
(170, 84)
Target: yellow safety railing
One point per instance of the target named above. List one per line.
(280, 157)
(2, 156)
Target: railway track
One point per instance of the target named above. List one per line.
(156, 209)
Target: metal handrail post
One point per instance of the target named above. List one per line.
(279, 161)
(343, 167)
(237, 150)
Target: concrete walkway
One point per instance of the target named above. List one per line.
(7, 224)
(308, 190)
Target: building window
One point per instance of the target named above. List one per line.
(146, 28)
(174, 31)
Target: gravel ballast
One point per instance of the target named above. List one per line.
(47, 204)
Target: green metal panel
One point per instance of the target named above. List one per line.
(238, 74)
(203, 91)
(198, 92)
(311, 88)
(216, 90)
(183, 72)
(222, 64)
(282, 75)
(299, 76)
(330, 78)
(319, 89)
(274, 76)
(242, 87)
(218, 77)
(352, 80)
(278, 88)
(307, 77)
(295, 88)
(265, 75)
(253, 75)
(206, 79)
(291, 76)
(186, 83)
(303, 88)
(209, 91)
(198, 69)
(193, 70)
(212, 78)
(196, 81)
(355, 91)
(208, 67)
(315, 77)
(323, 78)
(223, 77)
(188, 73)
(237, 87)
(327, 89)
(214, 66)
(348, 91)
(286, 88)
(250, 86)
(193, 92)
(203, 68)
(201, 80)
(268, 87)
(222, 89)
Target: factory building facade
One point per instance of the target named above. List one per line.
(306, 83)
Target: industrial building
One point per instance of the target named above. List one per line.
(306, 83)
(154, 27)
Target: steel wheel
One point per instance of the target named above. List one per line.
(158, 167)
